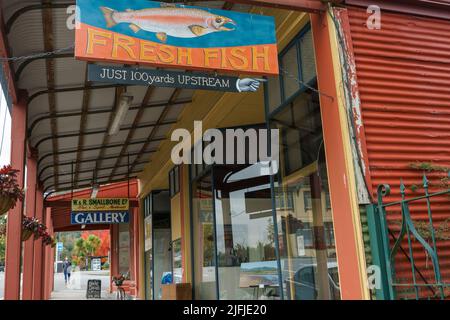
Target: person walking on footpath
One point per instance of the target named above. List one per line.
(67, 269)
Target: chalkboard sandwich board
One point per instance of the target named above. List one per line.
(94, 288)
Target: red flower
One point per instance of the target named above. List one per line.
(8, 184)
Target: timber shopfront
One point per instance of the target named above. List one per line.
(240, 234)
(99, 91)
(260, 238)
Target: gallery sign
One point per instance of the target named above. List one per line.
(175, 36)
(104, 217)
(174, 79)
(100, 211)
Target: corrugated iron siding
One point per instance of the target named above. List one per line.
(403, 75)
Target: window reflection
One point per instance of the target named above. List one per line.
(203, 227)
(304, 220)
(247, 265)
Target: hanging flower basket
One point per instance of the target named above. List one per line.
(10, 191)
(6, 203)
(48, 240)
(30, 226)
(26, 234)
(39, 230)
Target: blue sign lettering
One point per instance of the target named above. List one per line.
(104, 217)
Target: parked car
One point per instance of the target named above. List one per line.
(2, 268)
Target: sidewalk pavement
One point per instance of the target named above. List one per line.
(71, 294)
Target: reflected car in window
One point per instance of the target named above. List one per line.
(305, 282)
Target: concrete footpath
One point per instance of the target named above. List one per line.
(76, 288)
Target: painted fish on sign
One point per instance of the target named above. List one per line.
(176, 36)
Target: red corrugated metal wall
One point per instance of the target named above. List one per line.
(403, 73)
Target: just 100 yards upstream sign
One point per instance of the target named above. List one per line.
(161, 78)
(100, 211)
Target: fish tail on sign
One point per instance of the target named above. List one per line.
(108, 13)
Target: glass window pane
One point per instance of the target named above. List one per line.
(301, 130)
(177, 179)
(307, 57)
(124, 248)
(171, 183)
(290, 72)
(148, 243)
(162, 262)
(204, 250)
(305, 228)
(247, 265)
(274, 93)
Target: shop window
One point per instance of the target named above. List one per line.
(307, 200)
(308, 65)
(157, 241)
(203, 239)
(306, 244)
(174, 181)
(148, 246)
(290, 63)
(274, 98)
(297, 67)
(233, 232)
(124, 248)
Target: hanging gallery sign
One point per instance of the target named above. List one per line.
(100, 211)
(175, 36)
(163, 78)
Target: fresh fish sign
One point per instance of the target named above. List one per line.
(175, 36)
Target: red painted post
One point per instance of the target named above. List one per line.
(114, 254)
(46, 268)
(132, 241)
(344, 207)
(137, 252)
(14, 226)
(30, 208)
(38, 250)
(51, 258)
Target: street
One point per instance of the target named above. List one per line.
(76, 289)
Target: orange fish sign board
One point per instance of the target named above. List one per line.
(176, 36)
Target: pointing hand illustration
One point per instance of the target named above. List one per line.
(248, 85)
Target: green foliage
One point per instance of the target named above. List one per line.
(441, 231)
(92, 243)
(428, 166)
(84, 249)
(2, 239)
